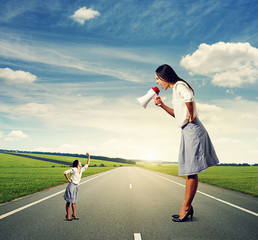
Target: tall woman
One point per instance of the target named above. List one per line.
(196, 152)
(72, 188)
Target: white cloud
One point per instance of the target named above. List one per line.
(250, 116)
(210, 113)
(1, 134)
(69, 148)
(238, 98)
(83, 14)
(229, 64)
(226, 140)
(36, 110)
(230, 91)
(236, 77)
(208, 108)
(233, 134)
(29, 111)
(116, 147)
(227, 120)
(10, 76)
(69, 58)
(16, 135)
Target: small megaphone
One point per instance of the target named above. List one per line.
(144, 100)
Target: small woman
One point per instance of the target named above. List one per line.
(72, 188)
(196, 152)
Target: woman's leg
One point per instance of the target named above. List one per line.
(67, 207)
(73, 207)
(190, 190)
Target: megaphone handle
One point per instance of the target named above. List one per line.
(155, 97)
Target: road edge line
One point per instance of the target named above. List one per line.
(43, 199)
(210, 196)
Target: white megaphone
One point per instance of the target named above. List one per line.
(144, 100)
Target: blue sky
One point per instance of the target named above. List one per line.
(70, 73)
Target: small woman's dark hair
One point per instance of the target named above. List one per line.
(168, 74)
(75, 163)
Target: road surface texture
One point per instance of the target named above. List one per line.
(131, 203)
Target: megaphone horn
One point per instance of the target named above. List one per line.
(144, 100)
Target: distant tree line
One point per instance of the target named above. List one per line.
(237, 164)
(120, 160)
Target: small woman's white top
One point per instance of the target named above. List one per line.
(182, 94)
(75, 176)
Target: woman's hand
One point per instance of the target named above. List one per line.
(88, 162)
(191, 120)
(66, 176)
(158, 101)
(190, 107)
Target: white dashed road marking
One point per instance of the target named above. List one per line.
(137, 236)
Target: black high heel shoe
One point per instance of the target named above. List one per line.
(68, 218)
(189, 213)
(177, 215)
(75, 218)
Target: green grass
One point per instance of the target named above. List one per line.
(18, 182)
(10, 161)
(243, 179)
(171, 169)
(21, 176)
(83, 160)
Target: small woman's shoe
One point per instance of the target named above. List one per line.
(68, 219)
(189, 213)
(75, 218)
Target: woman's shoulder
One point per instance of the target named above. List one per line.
(181, 84)
(71, 170)
(183, 90)
(74, 169)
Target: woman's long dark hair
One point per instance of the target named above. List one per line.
(75, 163)
(167, 73)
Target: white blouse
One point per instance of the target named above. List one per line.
(75, 176)
(182, 94)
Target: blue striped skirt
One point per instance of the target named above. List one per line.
(196, 152)
(71, 193)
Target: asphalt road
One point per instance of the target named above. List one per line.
(131, 203)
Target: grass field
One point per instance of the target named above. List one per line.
(21, 176)
(243, 179)
(83, 160)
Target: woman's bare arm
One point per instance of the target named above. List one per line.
(88, 162)
(190, 107)
(66, 176)
(158, 102)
